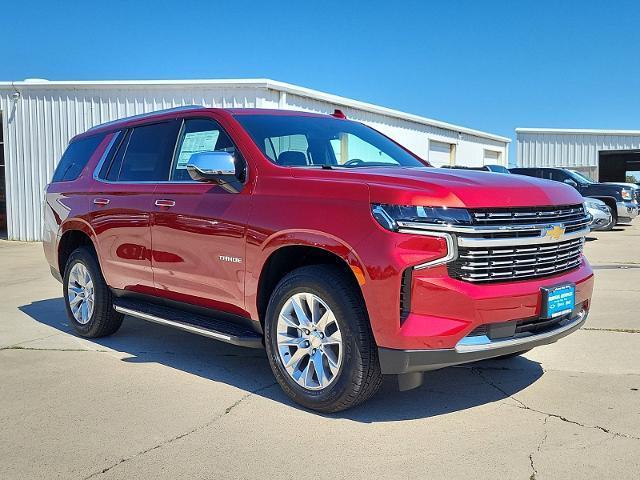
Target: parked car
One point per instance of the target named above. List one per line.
(601, 218)
(619, 199)
(316, 237)
(635, 189)
(484, 168)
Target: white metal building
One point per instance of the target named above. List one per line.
(39, 117)
(605, 155)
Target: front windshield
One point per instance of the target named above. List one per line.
(580, 177)
(301, 141)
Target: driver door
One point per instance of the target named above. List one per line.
(198, 229)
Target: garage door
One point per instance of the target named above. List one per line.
(439, 153)
(491, 157)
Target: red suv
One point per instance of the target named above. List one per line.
(318, 238)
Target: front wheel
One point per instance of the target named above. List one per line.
(319, 342)
(614, 219)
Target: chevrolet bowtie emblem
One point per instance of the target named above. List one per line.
(554, 232)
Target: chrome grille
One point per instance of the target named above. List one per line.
(492, 264)
(566, 214)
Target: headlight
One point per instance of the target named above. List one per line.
(390, 215)
(590, 204)
(626, 195)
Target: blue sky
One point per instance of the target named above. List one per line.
(490, 65)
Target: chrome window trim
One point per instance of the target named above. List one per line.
(103, 158)
(452, 249)
(105, 154)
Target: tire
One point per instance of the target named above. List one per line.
(100, 320)
(511, 355)
(358, 376)
(614, 219)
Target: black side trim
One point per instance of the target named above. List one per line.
(407, 361)
(211, 327)
(244, 322)
(405, 294)
(56, 274)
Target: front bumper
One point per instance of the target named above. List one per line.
(627, 211)
(400, 362)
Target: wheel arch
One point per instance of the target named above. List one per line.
(74, 234)
(610, 202)
(283, 255)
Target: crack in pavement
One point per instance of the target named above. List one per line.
(533, 467)
(185, 434)
(534, 472)
(617, 330)
(616, 266)
(31, 340)
(18, 347)
(523, 406)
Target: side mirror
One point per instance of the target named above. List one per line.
(568, 181)
(215, 167)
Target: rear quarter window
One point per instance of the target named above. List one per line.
(75, 158)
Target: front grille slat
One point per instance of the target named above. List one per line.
(523, 265)
(516, 262)
(515, 216)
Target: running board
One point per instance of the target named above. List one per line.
(215, 328)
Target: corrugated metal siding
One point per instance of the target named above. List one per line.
(568, 150)
(39, 124)
(415, 136)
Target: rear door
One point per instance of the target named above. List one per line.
(123, 202)
(198, 229)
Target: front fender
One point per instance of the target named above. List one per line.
(298, 238)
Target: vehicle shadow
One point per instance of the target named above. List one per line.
(444, 391)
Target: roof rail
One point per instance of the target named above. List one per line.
(147, 115)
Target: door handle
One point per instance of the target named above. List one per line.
(165, 203)
(101, 201)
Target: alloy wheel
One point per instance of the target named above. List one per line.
(80, 293)
(309, 341)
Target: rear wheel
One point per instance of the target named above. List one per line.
(87, 297)
(319, 342)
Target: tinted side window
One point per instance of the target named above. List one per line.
(275, 146)
(75, 158)
(529, 172)
(148, 154)
(199, 135)
(557, 175)
(111, 168)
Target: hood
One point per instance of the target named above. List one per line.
(628, 186)
(455, 188)
(594, 200)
